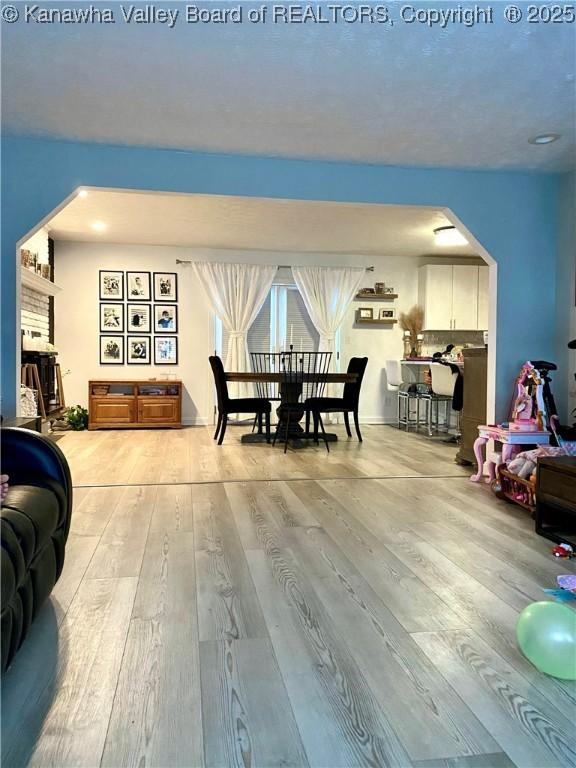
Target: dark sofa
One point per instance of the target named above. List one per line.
(35, 521)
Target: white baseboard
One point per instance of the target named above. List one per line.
(196, 421)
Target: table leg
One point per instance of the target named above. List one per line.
(508, 452)
(478, 443)
(491, 472)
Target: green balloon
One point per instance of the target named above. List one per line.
(546, 635)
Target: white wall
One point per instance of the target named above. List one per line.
(77, 319)
(77, 323)
(38, 244)
(380, 342)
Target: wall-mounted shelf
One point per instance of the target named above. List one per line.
(375, 296)
(374, 321)
(37, 283)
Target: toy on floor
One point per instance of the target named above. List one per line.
(567, 589)
(561, 595)
(521, 466)
(546, 634)
(563, 550)
(567, 582)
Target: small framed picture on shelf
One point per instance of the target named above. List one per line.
(111, 318)
(379, 288)
(366, 313)
(111, 350)
(165, 286)
(111, 285)
(165, 318)
(138, 318)
(138, 286)
(388, 314)
(165, 350)
(138, 350)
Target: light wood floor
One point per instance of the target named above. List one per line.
(292, 622)
(190, 455)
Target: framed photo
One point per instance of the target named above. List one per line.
(165, 286)
(165, 350)
(366, 313)
(138, 286)
(138, 350)
(111, 350)
(111, 318)
(138, 318)
(165, 318)
(111, 285)
(388, 314)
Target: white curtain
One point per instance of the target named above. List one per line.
(327, 293)
(236, 293)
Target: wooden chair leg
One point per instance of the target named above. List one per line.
(357, 425)
(347, 424)
(323, 432)
(315, 415)
(36, 378)
(59, 386)
(224, 425)
(307, 422)
(268, 427)
(218, 425)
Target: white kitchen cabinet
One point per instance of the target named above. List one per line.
(464, 298)
(454, 297)
(435, 295)
(483, 298)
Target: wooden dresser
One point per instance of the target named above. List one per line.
(556, 498)
(133, 404)
(474, 408)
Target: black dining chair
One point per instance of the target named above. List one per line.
(304, 375)
(346, 404)
(266, 362)
(228, 405)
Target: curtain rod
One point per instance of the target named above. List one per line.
(280, 266)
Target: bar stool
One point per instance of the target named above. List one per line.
(443, 383)
(408, 416)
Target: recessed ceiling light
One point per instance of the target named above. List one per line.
(544, 138)
(449, 236)
(83, 193)
(98, 226)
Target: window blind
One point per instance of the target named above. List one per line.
(282, 316)
(299, 327)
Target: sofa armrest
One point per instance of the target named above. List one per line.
(30, 459)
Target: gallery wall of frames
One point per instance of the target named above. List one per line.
(138, 317)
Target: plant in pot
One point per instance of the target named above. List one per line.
(77, 417)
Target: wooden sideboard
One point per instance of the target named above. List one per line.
(474, 407)
(134, 404)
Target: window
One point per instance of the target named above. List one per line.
(283, 318)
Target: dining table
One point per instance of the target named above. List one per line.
(290, 389)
